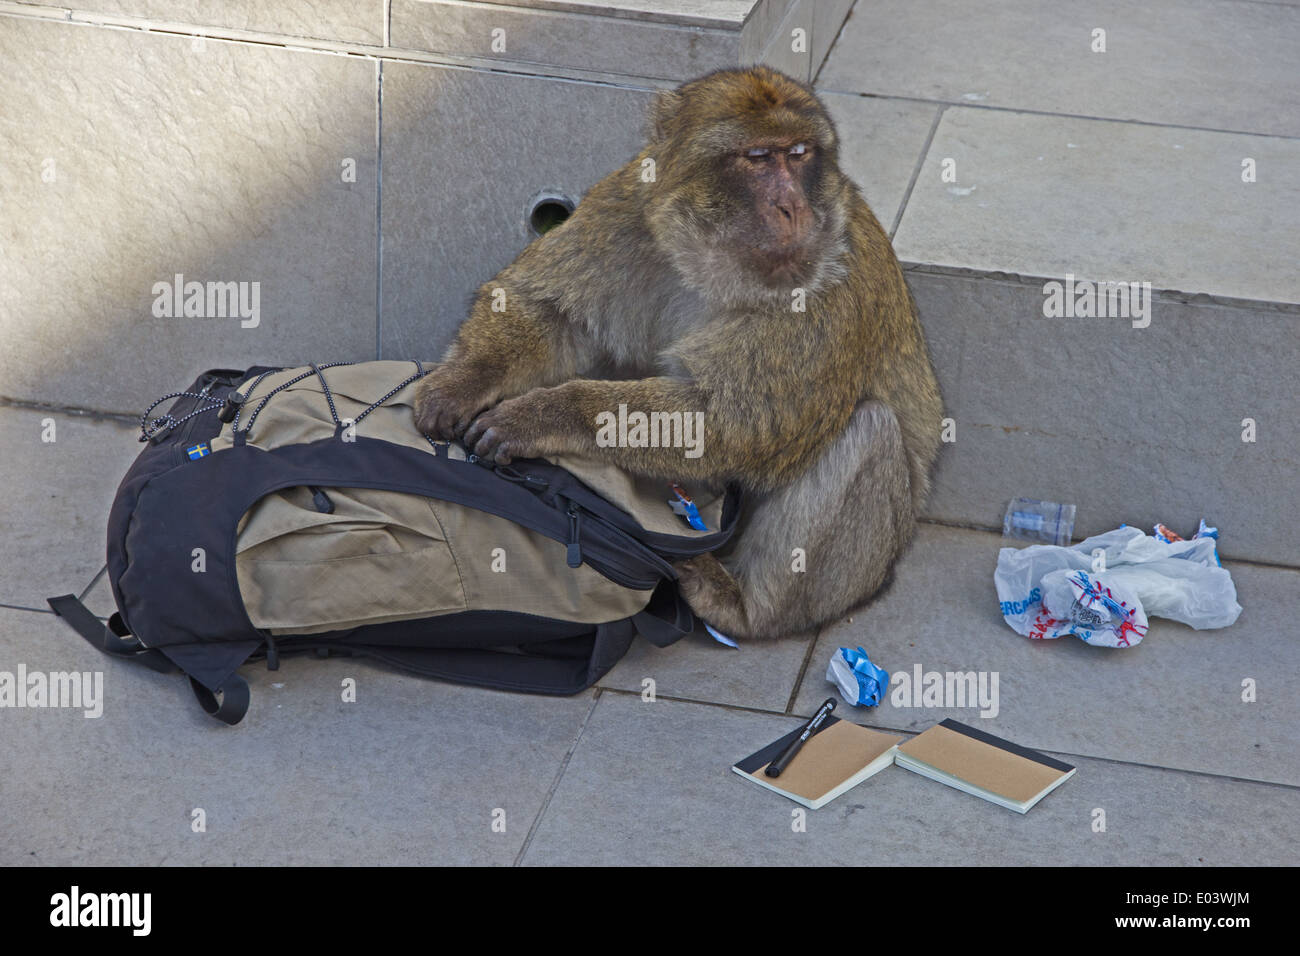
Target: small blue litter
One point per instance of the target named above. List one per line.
(860, 682)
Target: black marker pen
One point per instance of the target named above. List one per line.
(780, 763)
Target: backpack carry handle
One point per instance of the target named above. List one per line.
(667, 618)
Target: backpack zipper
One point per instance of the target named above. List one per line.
(610, 566)
(573, 553)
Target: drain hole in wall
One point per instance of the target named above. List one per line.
(548, 212)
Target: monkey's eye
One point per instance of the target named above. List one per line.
(799, 149)
(758, 152)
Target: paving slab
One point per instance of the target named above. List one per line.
(1174, 700)
(1052, 195)
(1132, 425)
(411, 773)
(357, 21)
(650, 784)
(881, 142)
(1217, 64)
(759, 674)
(57, 497)
(828, 19)
(249, 169)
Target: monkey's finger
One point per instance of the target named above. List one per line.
(474, 433)
(447, 423)
(427, 423)
(494, 448)
(486, 446)
(466, 418)
(429, 420)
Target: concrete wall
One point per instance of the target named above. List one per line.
(361, 166)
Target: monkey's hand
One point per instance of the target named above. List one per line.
(523, 427)
(445, 406)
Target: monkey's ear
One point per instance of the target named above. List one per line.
(663, 113)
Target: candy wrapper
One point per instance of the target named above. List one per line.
(859, 680)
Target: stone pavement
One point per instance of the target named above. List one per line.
(414, 771)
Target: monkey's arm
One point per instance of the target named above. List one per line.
(510, 343)
(746, 442)
(565, 419)
(773, 388)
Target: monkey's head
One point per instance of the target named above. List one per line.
(748, 195)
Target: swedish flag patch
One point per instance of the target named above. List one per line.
(198, 451)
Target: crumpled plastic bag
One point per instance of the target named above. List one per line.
(1047, 591)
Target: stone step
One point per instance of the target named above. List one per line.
(655, 40)
(1209, 64)
(1133, 418)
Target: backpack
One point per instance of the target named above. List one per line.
(280, 510)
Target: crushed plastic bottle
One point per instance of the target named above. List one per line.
(1044, 522)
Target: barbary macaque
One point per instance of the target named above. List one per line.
(730, 268)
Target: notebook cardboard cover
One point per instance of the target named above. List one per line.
(1002, 767)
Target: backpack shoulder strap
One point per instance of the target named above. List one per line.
(115, 640)
(112, 638)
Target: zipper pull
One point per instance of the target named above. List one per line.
(574, 554)
(272, 654)
(321, 500)
(513, 474)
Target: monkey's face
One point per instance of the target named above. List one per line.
(750, 204)
(772, 224)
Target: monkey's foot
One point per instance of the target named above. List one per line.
(442, 409)
(513, 429)
(712, 593)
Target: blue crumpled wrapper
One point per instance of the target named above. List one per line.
(860, 682)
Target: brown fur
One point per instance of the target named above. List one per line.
(675, 295)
